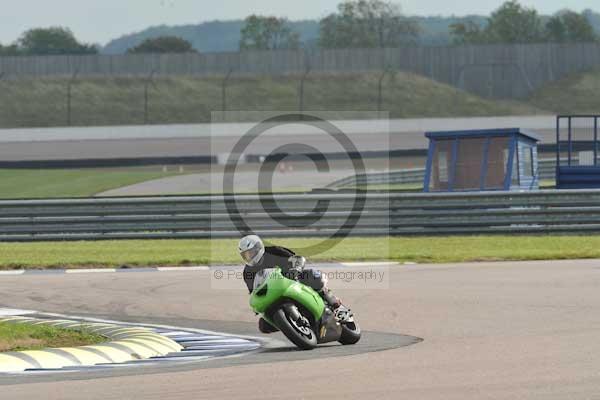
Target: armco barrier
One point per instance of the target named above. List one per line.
(301, 215)
(546, 171)
(405, 176)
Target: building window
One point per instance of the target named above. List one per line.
(441, 165)
(497, 163)
(515, 179)
(528, 162)
(469, 159)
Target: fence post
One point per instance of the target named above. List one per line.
(595, 141)
(224, 91)
(549, 61)
(2, 74)
(69, 85)
(380, 90)
(147, 83)
(301, 90)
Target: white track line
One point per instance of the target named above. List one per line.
(89, 271)
(10, 312)
(153, 326)
(14, 272)
(362, 264)
(183, 269)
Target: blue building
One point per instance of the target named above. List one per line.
(477, 160)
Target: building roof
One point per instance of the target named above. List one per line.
(483, 133)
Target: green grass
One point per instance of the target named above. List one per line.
(42, 183)
(223, 251)
(547, 184)
(117, 101)
(19, 337)
(575, 94)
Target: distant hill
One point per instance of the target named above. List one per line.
(225, 35)
(218, 36)
(205, 37)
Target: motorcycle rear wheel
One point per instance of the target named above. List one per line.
(350, 333)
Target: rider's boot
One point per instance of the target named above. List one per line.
(342, 313)
(329, 298)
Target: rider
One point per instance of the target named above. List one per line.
(258, 257)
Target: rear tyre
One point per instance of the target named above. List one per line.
(296, 330)
(350, 333)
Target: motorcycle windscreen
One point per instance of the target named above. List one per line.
(261, 277)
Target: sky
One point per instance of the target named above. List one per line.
(98, 21)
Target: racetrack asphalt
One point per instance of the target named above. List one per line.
(490, 331)
(203, 139)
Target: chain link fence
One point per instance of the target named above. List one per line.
(499, 71)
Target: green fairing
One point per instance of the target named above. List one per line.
(278, 287)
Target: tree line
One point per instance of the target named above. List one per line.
(53, 40)
(60, 40)
(514, 23)
(355, 24)
(377, 23)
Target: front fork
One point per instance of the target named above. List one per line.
(296, 315)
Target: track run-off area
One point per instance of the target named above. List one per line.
(454, 331)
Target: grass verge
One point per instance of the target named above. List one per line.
(575, 94)
(19, 337)
(45, 183)
(118, 101)
(224, 251)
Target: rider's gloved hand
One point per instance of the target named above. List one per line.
(296, 265)
(297, 262)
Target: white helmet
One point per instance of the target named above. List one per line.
(251, 249)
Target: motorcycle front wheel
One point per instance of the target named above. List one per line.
(295, 327)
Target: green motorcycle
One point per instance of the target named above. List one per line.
(298, 311)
